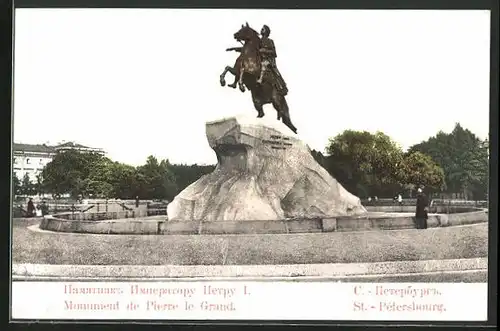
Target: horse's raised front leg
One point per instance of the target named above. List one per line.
(240, 81)
(223, 76)
(233, 71)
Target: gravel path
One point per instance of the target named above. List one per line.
(346, 247)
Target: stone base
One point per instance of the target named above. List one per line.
(263, 173)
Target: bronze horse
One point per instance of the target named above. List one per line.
(246, 71)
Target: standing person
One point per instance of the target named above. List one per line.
(31, 208)
(400, 199)
(45, 208)
(38, 211)
(136, 201)
(421, 213)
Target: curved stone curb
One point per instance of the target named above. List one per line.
(338, 270)
(467, 276)
(436, 209)
(156, 225)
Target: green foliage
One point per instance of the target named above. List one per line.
(364, 163)
(27, 187)
(89, 174)
(38, 187)
(16, 185)
(123, 179)
(464, 159)
(156, 180)
(372, 164)
(185, 174)
(319, 157)
(418, 169)
(73, 172)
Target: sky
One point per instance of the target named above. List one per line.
(139, 82)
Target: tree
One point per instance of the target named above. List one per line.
(16, 185)
(464, 159)
(123, 179)
(480, 185)
(74, 172)
(91, 174)
(97, 183)
(319, 157)
(364, 163)
(185, 174)
(156, 180)
(27, 187)
(418, 169)
(38, 185)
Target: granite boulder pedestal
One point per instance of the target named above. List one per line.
(264, 172)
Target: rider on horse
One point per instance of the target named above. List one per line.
(268, 61)
(268, 54)
(255, 68)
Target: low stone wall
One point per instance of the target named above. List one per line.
(433, 210)
(122, 226)
(102, 216)
(158, 225)
(463, 218)
(436, 202)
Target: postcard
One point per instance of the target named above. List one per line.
(222, 164)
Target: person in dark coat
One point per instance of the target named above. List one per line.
(31, 208)
(45, 208)
(421, 213)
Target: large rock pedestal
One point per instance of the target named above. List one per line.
(263, 173)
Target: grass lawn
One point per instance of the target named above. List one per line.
(341, 247)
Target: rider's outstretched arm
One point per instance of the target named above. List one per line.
(236, 49)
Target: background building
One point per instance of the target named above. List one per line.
(74, 146)
(31, 159)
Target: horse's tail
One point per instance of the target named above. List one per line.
(286, 120)
(285, 114)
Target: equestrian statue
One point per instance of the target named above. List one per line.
(256, 69)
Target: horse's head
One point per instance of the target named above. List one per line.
(246, 33)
